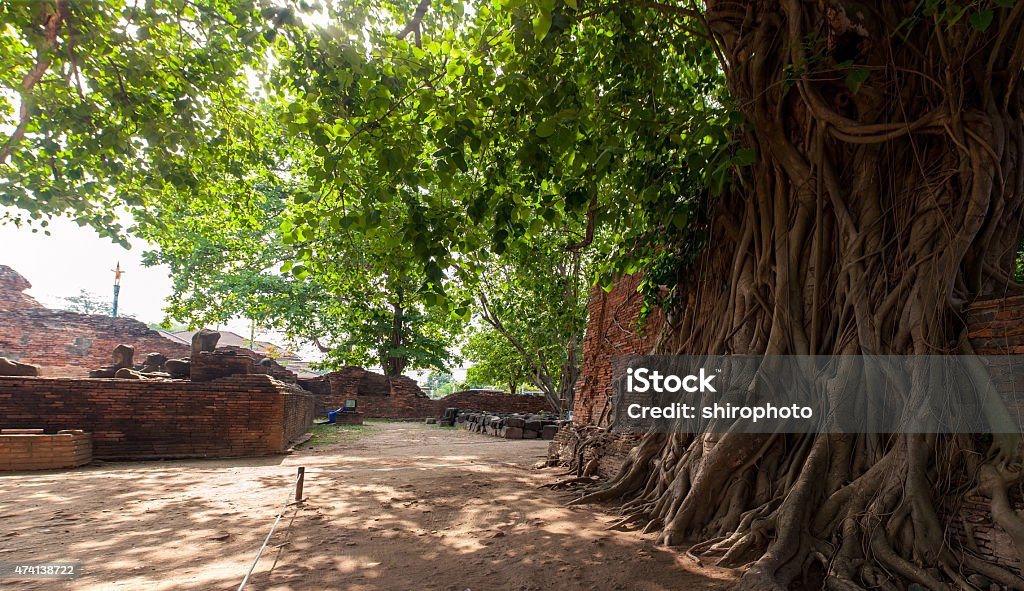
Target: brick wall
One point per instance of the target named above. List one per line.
(611, 332)
(376, 395)
(298, 412)
(12, 286)
(38, 451)
(69, 344)
(65, 343)
(995, 327)
(494, 402)
(400, 397)
(142, 419)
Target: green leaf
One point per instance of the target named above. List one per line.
(744, 157)
(546, 128)
(855, 78)
(982, 19)
(541, 25)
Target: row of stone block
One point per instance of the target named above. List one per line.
(509, 425)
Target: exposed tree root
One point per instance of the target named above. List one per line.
(871, 215)
(568, 482)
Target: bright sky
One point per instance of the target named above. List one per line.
(73, 258)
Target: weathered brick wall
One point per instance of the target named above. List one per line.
(12, 286)
(65, 343)
(494, 402)
(38, 451)
(298, 412)
(376, 395)
(995, 327)
(140, 419)
(69, 344)
(611, 332)
(400, 397)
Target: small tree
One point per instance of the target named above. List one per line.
(437, 380)
(495, 360)
(87, 302)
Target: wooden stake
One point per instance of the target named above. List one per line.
(298, 484)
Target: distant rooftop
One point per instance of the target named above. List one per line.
(285, 357)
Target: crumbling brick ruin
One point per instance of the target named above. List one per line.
(247, 415)
(138, 395)
(237, 407)
(64, 343)
(400, 397)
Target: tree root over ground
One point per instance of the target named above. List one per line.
(870, 216)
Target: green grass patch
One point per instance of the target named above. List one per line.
(331, 434)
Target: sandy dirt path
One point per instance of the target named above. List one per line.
(403, 506)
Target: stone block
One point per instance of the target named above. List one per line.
(513, 433)
(14, 368)
(204, 340)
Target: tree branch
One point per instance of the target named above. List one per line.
(51, 22)
(541, 379)
(416, 23)
(319, 345)
(588, 238)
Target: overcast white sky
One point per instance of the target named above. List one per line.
(74, 258)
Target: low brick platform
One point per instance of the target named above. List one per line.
(32, 449)
(247, 415)
(349, 418)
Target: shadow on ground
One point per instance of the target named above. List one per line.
(404, 506)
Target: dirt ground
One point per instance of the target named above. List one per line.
(395, 506)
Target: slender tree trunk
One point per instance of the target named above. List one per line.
(395, 364)
(873, 213)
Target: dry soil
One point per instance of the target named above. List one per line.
(397, 506)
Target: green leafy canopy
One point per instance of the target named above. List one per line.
(330, 167)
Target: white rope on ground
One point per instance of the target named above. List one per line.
(280, 514)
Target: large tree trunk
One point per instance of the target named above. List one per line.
(867, 222)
